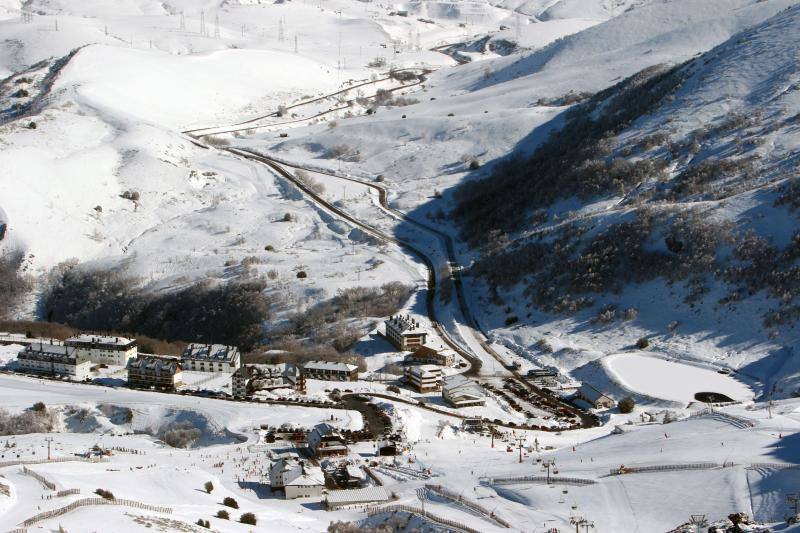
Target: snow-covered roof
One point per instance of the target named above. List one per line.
(425, 371)
(42, 351)
(101, 340)
(330, 366)
(211, 352)
(404, 325)
(325, 432)
(304, 475)
(353, 496)
(355, 472)
(155, 363)
(591, 394)
(458, 385)
(290, 470)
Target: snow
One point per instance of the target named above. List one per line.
(671, 380)
(112, 123)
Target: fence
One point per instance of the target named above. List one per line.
(662, 468)
(372, 511)
(560, 480)
(18, 462)
(736, 421)
(68, 492)
(474, 506)
(38, 477)
(93, 501)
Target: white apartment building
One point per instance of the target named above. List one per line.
(100, 349)
(53, 359)
(424, 378)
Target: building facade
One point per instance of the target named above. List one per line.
(154, 371)
(326, 441)
(53, 359)
(329, 371)
(432, 355)
(104, 350)
(211, 358)
(296, 478)
(405, 332)
(251, 378)
(424, 378)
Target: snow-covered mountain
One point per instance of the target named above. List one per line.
(672, 195)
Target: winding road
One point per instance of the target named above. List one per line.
(475, 345)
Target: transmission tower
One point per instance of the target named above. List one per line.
(27, 17)
(183, 22)
(202, 22)
(216, 27)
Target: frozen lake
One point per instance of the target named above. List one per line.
(670, 380)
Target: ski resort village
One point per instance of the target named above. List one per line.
(400, 266)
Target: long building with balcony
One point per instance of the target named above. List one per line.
(329, 371)
(53, 359)
(100, 349)
(155, 372)
(211, 358)
(251, 378)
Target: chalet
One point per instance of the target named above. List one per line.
(430, 354)
(53, 359)
(424, 378)
(597, 399)
(211, 358)
(296, 478)
(325, 441)
(105, 350)
(155, 372)
(405, 332)
(329, 371)
(339, 499)
(459, 391)
(387, 447)
(251, 378)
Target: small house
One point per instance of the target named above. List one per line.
(326, 441)
(596, 398)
